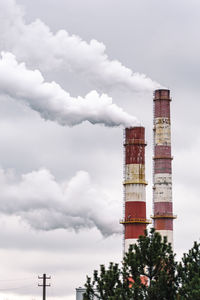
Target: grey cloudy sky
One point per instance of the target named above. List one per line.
(61, 186)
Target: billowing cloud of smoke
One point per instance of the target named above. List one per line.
(54, 103)
(46, 204)
(62, 50)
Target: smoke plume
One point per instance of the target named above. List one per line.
(46, 204)
(54, 103)
(62, 50)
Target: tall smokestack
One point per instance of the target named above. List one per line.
(134, 185)
(162, 175)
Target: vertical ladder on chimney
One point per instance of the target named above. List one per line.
(153, 163)
(124, 178)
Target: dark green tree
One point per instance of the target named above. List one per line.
(148, 272)
(189, 274)
(153, 259)
(107, 284)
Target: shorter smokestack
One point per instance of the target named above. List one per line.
(134, 221)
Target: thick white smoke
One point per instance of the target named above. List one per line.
(54, 103)
(35, 44)
(46, 204)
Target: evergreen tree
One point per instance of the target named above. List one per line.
(189, 274)
(107, 284)
(152, 258)
(147, 273)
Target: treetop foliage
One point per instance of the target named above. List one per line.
(148, 271)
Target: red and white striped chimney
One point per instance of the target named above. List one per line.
(134, 185)
(162, 175)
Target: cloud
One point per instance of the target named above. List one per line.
(54, 103)
(35, 44)
(46, 204)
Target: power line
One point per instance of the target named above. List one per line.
(16, 288)
(17, 279)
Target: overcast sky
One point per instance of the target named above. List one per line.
(61, 130)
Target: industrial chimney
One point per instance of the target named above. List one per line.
(134, 185)
(162, 173)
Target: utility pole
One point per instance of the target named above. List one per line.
(44, 285)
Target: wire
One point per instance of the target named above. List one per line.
(17, 279)
(16, 288)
